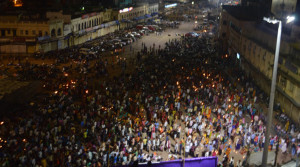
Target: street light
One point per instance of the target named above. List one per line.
(290, 19)
(273, 85)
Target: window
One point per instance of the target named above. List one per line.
(264, 56)
(21, 32)
(26, 32)
(33, 32)
(53, 33)
(2, 33)
(46, 33)
(224, 34)
(78, 26)
(224, 22)
(297, 92)
(8, 31)
(40, 33)
(14, 33)
(59, 32)
(291, 88)
(283, 82)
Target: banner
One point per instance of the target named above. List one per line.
(192, 162)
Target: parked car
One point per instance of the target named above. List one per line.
(86, 51)
(136, 34)
(191, 34)
(139, 27)
(127, 40)
(151, 28)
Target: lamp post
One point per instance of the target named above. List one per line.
(273, 85)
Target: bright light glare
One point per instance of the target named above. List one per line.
(290, 19)
(273, 21)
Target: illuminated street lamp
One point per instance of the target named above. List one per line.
(273, 85)
(290, 19)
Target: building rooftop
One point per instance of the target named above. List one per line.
(23, 17)
(245, 13)
(297, 21)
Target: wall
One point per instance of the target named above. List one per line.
(292, 110)
(86, 21)
(24, 29)
(135, 12)
(153, 8)
(57, 27)
(58, 15)
(20, 36)
(13, 48)
(257, 58)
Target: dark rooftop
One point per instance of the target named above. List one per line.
(297, 21)
(246, 13)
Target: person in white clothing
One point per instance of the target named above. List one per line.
(283, 148)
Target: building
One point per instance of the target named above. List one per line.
(57, 21)
(251, 41)
(281, 8)
(90, 26)
(122, 3)
(266, 4)
(26, 34)
(137, 14)
(80, 28)
(19, 33)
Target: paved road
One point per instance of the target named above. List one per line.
(161, 40)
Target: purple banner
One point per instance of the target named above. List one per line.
(192, 162)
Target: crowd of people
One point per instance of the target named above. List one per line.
(178, 102)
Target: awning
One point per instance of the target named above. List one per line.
(147, 16)
(43, 38)
(154, 13)
(139, 18)
(81, 32)
(68, 35)
(108, 24)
